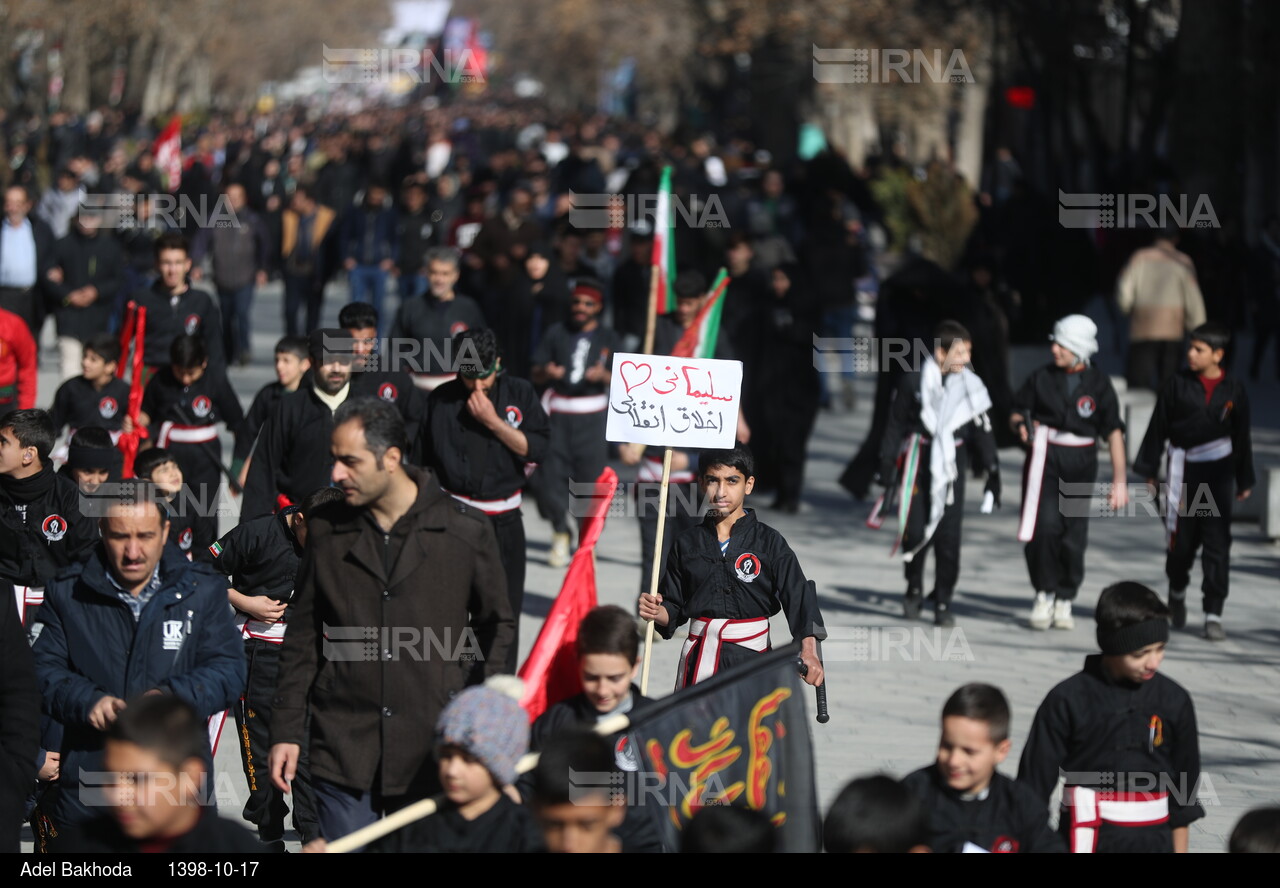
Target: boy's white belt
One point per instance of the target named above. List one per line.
(651, 471)
(431, 381)
(175, 433)
(1044, 436)
(27, 596)
(579, 404)
(752, 634)
(1212, 451)
(1090, 808)
(491, 507)
(251, 628)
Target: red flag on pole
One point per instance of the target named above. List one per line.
(135, 328)
(550, 673)
(168, 153)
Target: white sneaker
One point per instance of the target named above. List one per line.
(559, 556)
(1042, 611)
(1062, 618)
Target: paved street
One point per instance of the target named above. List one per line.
(887, 680)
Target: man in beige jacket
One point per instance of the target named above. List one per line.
(1158, 291)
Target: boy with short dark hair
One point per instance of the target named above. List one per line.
(577, 818)
(1123, 735)
(876, 815)
(96, 398)
(1257, 832)
(1204, 415)
(261, 558)
(160, 792)
(729, 829)
(938, 428)
(185, 401)
(728, 576)
(292, 364)
(971, 805)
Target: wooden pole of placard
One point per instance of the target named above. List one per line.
(657, 564)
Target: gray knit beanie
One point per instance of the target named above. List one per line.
(490, 725)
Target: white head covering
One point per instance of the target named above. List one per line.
(1078, 335)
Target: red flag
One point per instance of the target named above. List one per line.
(550, 673)
(168, 153)
(135, 328)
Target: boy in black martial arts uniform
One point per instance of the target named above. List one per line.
(1204, 415)
(97, 398)
(728, 575)
(292, 364)
(183, 405)
(972, 806)
(938, 424)
(1123, 736)
(261, 558)
(1060, 412)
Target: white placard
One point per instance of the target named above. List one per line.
(662, 401)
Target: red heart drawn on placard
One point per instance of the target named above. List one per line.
(634, 379)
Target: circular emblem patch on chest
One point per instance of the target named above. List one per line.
(202, 406)
(747, 567)
(108, 407)
(1086, 406)
(54, 528)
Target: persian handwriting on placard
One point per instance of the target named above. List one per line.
(695, 378)
(652, 415)
(643, 414)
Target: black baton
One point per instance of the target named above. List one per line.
(820, 692)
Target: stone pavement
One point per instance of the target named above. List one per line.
(887, 680)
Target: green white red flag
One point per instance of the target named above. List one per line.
(699, 341)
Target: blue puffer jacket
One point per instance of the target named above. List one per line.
(186, 643)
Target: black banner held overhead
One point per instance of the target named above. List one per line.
(741, 737)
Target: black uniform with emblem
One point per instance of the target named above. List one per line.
(180, 412)
(292, 457)
(636, 832)
(976, 445)
(578, 410)
(1005, 818)
(1081, 403)
(432, 324)
(261, 558)
(478, 469)
(1187, 415)
(1117, 736)
(756, 576)
(396, 387)
(80, 404)
(264, 403)
(193, 312)
(42, 530)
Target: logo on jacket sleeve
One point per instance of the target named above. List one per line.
(747, 567)
(202, 406)
(108, 407)
(54, 528)
(388, 391)
(458, 327)
(191, 324)
(172, 635)
(1004, 845)
(184, 539)
(1086, 406)
(513, 415)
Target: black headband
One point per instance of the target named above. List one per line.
(1134, 637)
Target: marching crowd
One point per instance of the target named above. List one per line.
(392, 455)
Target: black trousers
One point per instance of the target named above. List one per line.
(266, 806)
(25, 303)
(1204, 520)
(683, 512)
(302, 293)
(779, 440)
(945, 541)
(578, 453)
(509, 528)
(1152, 362)
(1055, 555)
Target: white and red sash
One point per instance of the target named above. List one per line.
(1211, 451)
(432, 381)
(251, 628)
(1090, 808)
(651, 471)
(1044, 436)
(752, 634)
(176, 433)
(580, 404)
(491, 507)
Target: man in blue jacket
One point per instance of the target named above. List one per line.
(370, 249)
(133, 619)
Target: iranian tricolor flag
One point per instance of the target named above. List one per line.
(664, 249)
(168, 153)
(699, 341)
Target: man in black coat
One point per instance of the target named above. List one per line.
(373, 652)
(81, 287)
(19, 726)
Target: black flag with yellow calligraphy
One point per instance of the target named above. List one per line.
(741, 737)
